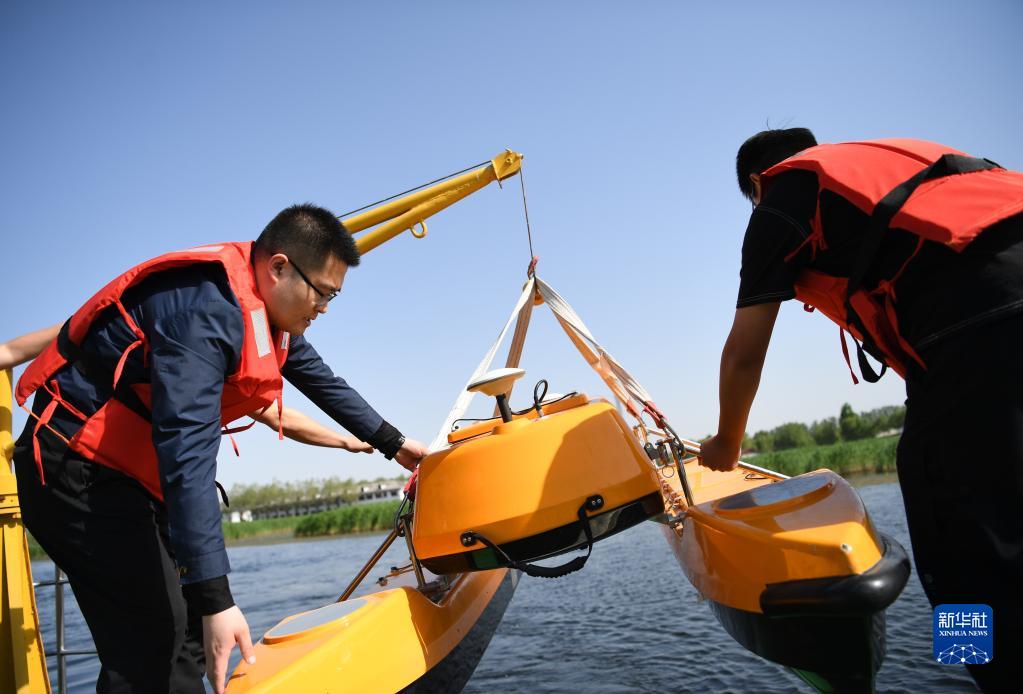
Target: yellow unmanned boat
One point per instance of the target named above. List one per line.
(793, 568)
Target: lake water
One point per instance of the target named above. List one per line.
(629, 621)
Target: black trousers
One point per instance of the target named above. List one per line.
(960, 465)
(110, 537)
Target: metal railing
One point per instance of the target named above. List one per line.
(61, 653)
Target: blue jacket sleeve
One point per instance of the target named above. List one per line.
(191, 351)
(305, 370)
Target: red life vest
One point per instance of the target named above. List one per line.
(119, 434)
(932, 191)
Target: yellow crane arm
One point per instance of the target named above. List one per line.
(387, 220)
(22, 662)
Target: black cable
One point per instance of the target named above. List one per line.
(537, 402)
(551, 402)
(401, 507)
(539, 395)
(517, 412)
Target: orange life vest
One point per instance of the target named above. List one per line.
(119, 434)
(935, 192)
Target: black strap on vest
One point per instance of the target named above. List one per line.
(223, 494)
(866, 370)
(880, 219)
(537, 571)
(98, 372)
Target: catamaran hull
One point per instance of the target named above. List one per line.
(831, 631)
(840, 654)
(793, 570)
(453, 672)
(392, 640)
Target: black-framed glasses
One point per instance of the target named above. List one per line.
(325, 298)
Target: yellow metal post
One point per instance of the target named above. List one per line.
(412, 210)
(22, 662)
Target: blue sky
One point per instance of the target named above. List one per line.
(130, 129)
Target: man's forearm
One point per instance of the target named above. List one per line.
(25, 347)
(301, 428)
(742, 361)
(737, 387)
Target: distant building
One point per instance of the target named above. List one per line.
(237, 516)
(370, 493)
(382, 491)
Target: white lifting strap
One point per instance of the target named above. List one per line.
(626, 389)
(465, 397)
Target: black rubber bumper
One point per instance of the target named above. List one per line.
(831, 630)
(862, 594)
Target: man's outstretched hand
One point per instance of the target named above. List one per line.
(354, 445)
(410, 453)
(220, 632)
(719, 454)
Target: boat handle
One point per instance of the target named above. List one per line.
(592, 503)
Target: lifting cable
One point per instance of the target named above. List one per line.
(529, 231)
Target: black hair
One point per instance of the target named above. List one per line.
(308, 234)
(767, 148)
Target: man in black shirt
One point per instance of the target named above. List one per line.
(960, 459)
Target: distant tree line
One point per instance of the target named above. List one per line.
(350, 519)
(846, 457)
(354, 519)
(250, 496)
(848, 426)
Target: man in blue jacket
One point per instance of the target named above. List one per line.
(151, 577)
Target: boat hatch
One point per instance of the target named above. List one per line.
(793, 491)
(310, 621)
